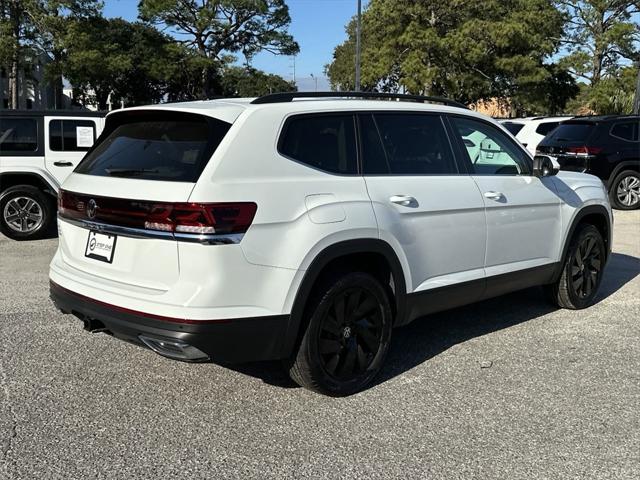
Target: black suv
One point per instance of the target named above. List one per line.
(605, 146)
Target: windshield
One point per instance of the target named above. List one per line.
(168, 146)
(572, 132)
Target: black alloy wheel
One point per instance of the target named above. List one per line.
(581, 274)
(347, 335)
(350, 333)
(586, 268)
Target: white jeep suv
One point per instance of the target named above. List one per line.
(305, 229)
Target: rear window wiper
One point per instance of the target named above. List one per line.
(129, 171)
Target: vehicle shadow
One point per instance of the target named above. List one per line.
(427, 337)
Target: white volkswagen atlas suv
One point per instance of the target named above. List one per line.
(306, 226)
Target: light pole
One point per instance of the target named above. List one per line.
(316, 80)
(358, 30)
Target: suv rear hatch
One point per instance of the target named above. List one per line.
(125, 204)
(569, 143)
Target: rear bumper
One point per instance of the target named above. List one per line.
(227, 341)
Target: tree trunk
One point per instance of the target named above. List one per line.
(206, 83)
(636, 98)
(14, 69)
(101, 96)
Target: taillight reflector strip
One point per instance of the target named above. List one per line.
(184, 218)
(584, 150)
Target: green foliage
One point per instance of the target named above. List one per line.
(217, 28)
(601, 37)
(249, 82)
(612, 95)
(29, 29)
(130, 61)
(459, 49)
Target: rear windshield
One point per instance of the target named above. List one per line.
(572, 132)
(168, 146)
(513, 128)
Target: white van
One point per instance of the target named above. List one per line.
(38, 151)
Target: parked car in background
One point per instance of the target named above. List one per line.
(531, 131)
(38, 151)
(605, 146)
(296, 229)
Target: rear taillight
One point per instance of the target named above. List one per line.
(584, 150)
(183, 218)
(201, 218)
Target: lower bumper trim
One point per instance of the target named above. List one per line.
(235, 340)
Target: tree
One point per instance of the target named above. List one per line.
(29, 28)
(216, 28)
(13, 27)
(613, 95)
(459, 49)
(50, 20)
(249, 82)
(601, 37)
(129, 61)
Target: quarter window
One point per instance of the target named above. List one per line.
(71, 135)
(18, 135)
(626, 131)
(325, 142)
(405, 144)
(489, 150)
(513, 127)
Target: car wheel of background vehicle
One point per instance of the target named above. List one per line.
(581, 275)
(26, 213)
(625, 191)
(346, 341)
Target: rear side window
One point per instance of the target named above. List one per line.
(18, 135)
(170, 146)
(71, 135)
(572, 132)
(626, 131)
(406, 144)
(545, 128)
(325, 142)
(513, 127)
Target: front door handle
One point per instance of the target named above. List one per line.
(493, 195)
(63, 164)
(404, 200)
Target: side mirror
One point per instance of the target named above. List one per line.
(543, 166)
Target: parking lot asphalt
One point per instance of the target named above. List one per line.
(509, 388)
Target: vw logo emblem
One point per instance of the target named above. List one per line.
(92, 207)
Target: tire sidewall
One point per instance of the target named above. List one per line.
(310, 347)
(613, 194)
(586, 232)
(37, 196)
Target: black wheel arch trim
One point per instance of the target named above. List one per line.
(51, 189)
(621, 167)
(578, 217)
(333, 252)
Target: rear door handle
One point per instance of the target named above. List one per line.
(63, 164)
(493, 195)
(404, 200)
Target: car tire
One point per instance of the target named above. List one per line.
(625, 191)
(347, 337)
(582, 270)
(26, 213)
